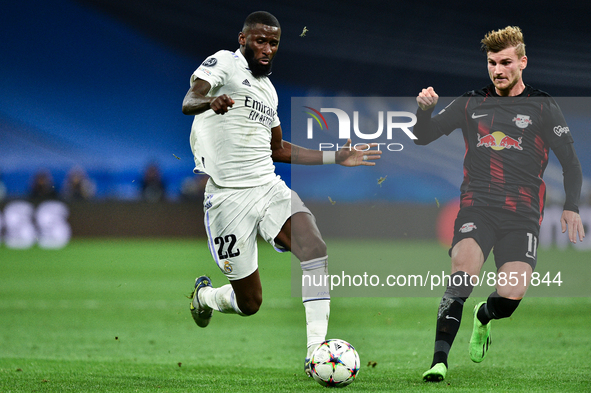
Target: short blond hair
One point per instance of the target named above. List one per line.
(497, 40)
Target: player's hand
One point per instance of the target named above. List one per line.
(357, 155)
(427, 98)
(221, 104)
(572, 221)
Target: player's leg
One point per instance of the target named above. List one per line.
(518, 275)
(242, 296)
(513, 277)
(467, 259)
(231, 219)
(470, 247)
(301, 236)
(500, 304)
(510, 289)
(307, 245)
(249, 293)
(288, 225)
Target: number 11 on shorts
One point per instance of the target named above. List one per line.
(532, 245)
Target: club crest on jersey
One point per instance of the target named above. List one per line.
(227, 267)
(210, 62)
(467, 227)
(522, 121)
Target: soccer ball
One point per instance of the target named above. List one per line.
(334, 363)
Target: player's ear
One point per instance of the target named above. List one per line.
(523, 63)
(241, 38)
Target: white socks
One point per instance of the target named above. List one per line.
(220, 299)
(316, 299)
(317, 313)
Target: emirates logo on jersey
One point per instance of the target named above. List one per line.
(522, 121)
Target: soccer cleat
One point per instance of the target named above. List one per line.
(480, 340)
(436, 373)
(307, 367)
(201, 315)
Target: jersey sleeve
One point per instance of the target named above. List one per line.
(428, 128)
(275, 122)
(216, 69)
(555, 130)
(452, 116)
(573, 175)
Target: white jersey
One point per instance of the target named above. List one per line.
(234, 149)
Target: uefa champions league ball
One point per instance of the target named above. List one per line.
(335, 363)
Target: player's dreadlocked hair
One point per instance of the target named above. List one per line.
(510, 36)
(262, 17)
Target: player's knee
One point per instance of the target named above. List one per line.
(466, 256)
(251, 305)
(315, 248)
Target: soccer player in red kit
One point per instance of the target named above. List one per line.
(508, 128)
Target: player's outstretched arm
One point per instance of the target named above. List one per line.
(197, 102)
(284, 151)
(357, 155)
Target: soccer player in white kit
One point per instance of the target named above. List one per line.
(235, 137)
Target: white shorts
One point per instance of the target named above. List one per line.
(234, 217)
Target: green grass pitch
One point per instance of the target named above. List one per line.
(112, 316)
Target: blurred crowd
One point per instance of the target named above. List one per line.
(77, 186)
(149, 185)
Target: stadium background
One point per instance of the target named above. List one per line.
(99, 84)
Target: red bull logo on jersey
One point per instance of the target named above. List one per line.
(522, 121)
(499, 141)
(486, 141)
(507, 143)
